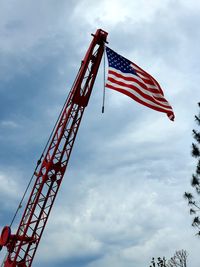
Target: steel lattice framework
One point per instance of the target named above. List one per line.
(22, 246)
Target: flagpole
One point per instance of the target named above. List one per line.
(104, 80)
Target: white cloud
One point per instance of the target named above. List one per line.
(11, 189)
(112, 13)
(9, 124)
(9, 186)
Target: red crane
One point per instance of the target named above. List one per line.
(49, 173)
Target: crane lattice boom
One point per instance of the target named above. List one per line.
(22, 246)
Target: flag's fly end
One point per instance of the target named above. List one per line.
(171, 116)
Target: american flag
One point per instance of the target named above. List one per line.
(126, 77)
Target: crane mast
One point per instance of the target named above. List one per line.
(22, 245)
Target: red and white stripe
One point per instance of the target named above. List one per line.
(142, 88)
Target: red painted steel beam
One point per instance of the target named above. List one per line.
(22, 246)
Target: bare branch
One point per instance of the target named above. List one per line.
(179, 259)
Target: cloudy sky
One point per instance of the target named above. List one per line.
(121, 201)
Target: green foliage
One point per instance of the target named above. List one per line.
(193, 200)
(195, 151)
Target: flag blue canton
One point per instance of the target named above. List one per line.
(118, 62)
